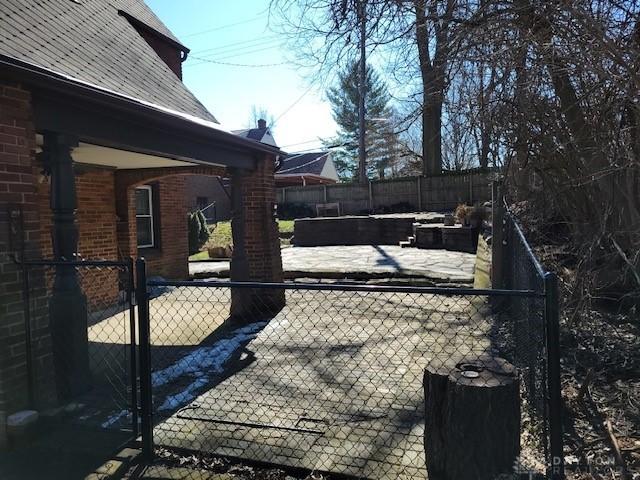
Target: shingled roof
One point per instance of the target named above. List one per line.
(90, 42)
(311, 163)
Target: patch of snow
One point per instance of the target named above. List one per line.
(201, 364)
(115, 418)
(173, 402)
(25, 417)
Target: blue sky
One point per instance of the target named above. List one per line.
(237, 32)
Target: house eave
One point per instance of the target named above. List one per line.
(103, 117)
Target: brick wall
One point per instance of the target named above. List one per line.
(170, 258)
(17, 190)
(96, 220)
(261, 229)
(261, 241)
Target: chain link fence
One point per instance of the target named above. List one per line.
(80, 342)
(334, 380)
(532, 338)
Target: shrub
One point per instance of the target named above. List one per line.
(462, 213)
(198, 231)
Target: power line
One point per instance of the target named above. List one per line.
(247, 50)
(208, 60)
(226, 46)
(324, 147)
(223, 27)
(302, 143)
(293, 104)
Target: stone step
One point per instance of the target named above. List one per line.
(404, 244)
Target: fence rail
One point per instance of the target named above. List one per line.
(442, 192)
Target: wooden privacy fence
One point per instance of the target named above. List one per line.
(441, 192)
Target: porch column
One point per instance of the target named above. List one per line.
(67, 305)
(256, 251)
(239, 268)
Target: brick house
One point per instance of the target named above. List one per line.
(98, 135)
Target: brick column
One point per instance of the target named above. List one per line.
(18, 193)
(256, 255)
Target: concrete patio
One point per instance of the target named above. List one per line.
(362, 262)
(332, 383)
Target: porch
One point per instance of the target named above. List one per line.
(68, 194)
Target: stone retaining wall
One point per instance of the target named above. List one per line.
(351, 230)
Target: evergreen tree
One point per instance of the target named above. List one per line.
(380, 138)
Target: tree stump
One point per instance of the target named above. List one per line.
(472, 419)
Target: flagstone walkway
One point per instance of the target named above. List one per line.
(363, 262)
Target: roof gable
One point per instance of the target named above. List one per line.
(311, 163)
(91, 43)
(262, 135)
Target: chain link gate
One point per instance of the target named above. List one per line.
(80, 337)
(333, 381)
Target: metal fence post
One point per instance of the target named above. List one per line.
(146, 407)
(552, 318)
(133, 358)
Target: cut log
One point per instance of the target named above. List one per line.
(472, 419)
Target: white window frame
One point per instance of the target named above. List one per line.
(150, 215)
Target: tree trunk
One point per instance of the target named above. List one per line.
(432, 73)
(472, 419)
(432, 136)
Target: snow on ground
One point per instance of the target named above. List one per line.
(201, 364)
(115, 418)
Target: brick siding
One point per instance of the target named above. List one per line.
(17, 191)
(262, 244)
(261, 229)
(170, 259)
(96, 220)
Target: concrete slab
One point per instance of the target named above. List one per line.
(363, 262)
(333, 383)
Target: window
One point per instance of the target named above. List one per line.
(144, 216)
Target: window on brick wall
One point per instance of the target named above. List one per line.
(145, 217)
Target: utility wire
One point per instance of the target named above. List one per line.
(293, 104)
(223, 27)
(208, 60)
(246, 50)
(302, 143)
(226, 46)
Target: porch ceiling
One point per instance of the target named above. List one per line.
(100, 156)
(121, 159)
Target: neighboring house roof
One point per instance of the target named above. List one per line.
(90, 42)
(311, 163)
(261, 134)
